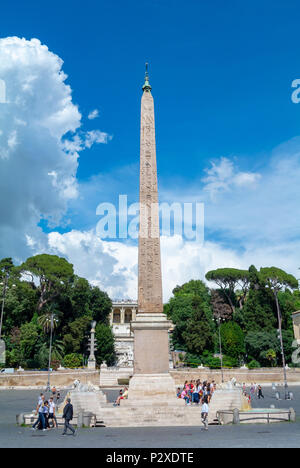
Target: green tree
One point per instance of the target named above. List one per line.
(49, 319)
(228, 279)
(7, 269)
(198, 335)
(100, 305)
(288, 305)
(258, 343)
(271, 357)
(258, 312)
(277, 280)
(80, 295)
(180, 310)
(76, 335)
(219, 305)
(191, 303)
(20, 305)
(233, 340)
(57, 353)
(73, 361)
(53, 273)
(29, 342)
(105, 344)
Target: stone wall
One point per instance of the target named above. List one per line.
(39, 379)
(111, 376)
(263, 375)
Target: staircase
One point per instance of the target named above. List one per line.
(151, 413)
(169, 413)
(166, 415)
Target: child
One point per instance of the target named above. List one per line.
(184, 396)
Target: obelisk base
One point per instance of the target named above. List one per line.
(151, 383)
(152, 390)
(151, 343)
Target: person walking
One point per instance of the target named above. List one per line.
(52, 416)
(46, 414)
(68, 416)
(40, 412)
(260, 393)
(204, 413)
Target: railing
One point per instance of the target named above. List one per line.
(258, 415)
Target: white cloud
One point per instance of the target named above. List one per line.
(93, 114)
(95, 136)
(223, 176)
(113, 265)
(109, 265)
(266, 216)
(37, 168)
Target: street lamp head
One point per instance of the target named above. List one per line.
(93, 324)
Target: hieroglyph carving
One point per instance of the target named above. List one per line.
(150, 279)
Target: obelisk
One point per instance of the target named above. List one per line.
(151, 343)
(149, 277)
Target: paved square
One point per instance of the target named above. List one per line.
(274, 435)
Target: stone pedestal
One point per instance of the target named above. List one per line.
(151, 344)
(152, 390)
(92, 364)
(151, 384)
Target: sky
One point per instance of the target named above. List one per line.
(227, 130)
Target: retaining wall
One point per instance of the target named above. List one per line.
(40, 379)
(263, 375)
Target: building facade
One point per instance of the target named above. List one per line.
(122, 314)
(296, 323)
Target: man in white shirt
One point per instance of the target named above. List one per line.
(204, 413)
(52, 408)
(40, 413)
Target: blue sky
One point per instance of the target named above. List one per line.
(221, 74)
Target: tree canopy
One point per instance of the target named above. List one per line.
(53, 273)
(46, 285)
(228, 279)
(248, 302)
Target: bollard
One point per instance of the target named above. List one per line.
(292, 415)
(20, 419)
(87, 419)
(80, 419)
(277, 396)
(236, 416)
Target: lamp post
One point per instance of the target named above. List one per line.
(4, 284)
(286, 389)
(52, 320)
(219, 320)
